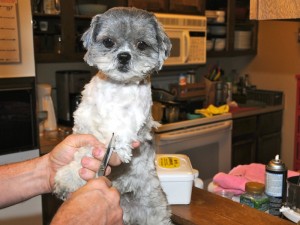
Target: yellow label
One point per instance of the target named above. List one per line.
(169, 162)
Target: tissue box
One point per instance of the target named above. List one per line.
(177, 176)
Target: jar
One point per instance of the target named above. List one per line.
(182, 79)
(255, 196)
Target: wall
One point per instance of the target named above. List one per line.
(274, 68)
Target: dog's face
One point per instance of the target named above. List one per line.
(126, 44)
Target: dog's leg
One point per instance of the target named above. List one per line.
(143, 200)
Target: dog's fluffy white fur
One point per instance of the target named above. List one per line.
(126, 45)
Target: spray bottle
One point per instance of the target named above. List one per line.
(276, 175)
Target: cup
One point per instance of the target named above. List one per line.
(43, 25)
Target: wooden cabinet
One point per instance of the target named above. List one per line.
(168, 6)
(57, 42)
(297, 127)
(268, 136)
(256, 138)
(243, 140)
(240, 33)
(60, 40)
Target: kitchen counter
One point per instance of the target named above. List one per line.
(238, 112)
(211, 209)
(49, 139)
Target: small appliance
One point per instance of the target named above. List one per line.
(69, 85)
(45, 103)
(188, 37)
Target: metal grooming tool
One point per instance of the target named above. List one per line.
(104, 163)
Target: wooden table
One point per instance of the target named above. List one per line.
(210, 209)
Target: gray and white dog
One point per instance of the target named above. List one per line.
(126, 45)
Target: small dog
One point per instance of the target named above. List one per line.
(126, 45)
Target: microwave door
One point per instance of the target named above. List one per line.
(178, 52)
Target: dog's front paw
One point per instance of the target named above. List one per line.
(67, 178)
(123, 149)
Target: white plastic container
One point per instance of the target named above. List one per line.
(176, 176)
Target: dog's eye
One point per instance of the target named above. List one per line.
(108, 43)
(142, 45)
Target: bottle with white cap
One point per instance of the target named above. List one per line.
(276, 174)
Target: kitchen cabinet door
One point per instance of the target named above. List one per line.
(256, 138)
(243, 152)
(268, 147)
(269, 123)
(243, 140)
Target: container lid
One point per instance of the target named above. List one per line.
(255, 187)
(174, 167)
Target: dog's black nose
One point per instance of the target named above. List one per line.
(124, 57)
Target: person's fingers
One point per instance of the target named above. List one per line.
(87, 174)
(90, 163)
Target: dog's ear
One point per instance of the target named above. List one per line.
(89, 37)
(90, 34)
(164, 43)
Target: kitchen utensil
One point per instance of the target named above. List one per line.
(105, 160)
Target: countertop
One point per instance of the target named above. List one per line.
(211, 209)
(238, 112)
(49, 139)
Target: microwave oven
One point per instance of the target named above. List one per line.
(188, 37)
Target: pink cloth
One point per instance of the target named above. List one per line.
(236, 179)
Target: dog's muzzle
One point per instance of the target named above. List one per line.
(123, 58)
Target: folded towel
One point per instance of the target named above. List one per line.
(236, 179)
(212, 110)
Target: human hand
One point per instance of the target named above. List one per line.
(94, 203)
(63, 154)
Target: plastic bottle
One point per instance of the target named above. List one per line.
(255, 196)
(247, 81)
